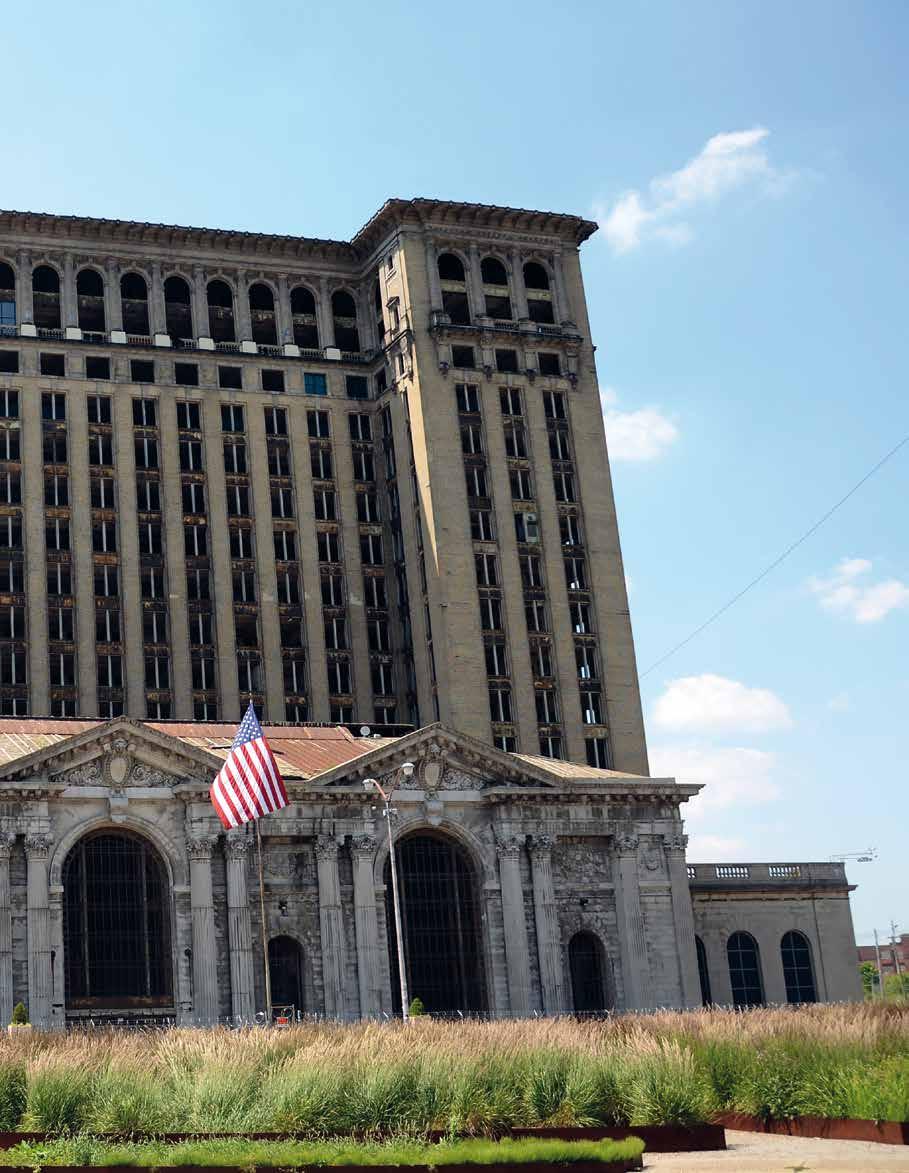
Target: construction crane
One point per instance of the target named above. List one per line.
(866, 856)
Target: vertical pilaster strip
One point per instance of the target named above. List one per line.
(205, 968)
(7, 839)
(518, 293)
(432, 273)
(25, 306)
(331, 927)
(683, 919)
(243, 316)
(128, 545)
(239, 928)
(630, 919)
(70, 309)
(83, 565)
(562, 308)
(269, 616)
(112, 289)
(221, 576)
(475, 283)
(176, 561)
(283, 319)
(324, 315)
(158, 322)
(366, 924)
(37, 849)
(200, 303)
(546, 918)
(517, 952)
(35, 560)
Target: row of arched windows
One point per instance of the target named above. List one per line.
(743, 957)
(497, 297)
(221, 326)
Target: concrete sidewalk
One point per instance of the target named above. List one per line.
(753, 1152)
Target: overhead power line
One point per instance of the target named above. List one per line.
(776, 562)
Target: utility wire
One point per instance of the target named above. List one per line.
(776, 562)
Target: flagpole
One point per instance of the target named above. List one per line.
(264, 926)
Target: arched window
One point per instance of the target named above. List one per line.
(178, 312)
(221, 312)
(303, 312)
(46, 294)
(7, 295)
(344, 312)
(797, 968)
(90, 298)
(588, 984)
(285, 968)
(495, 282)
(539, 297)
(134, 300)
(454, 289)
(703, 971)
(745, 970)
(116, 924)
(441, 915)
(262, 312)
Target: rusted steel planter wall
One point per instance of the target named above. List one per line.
(881, 1131)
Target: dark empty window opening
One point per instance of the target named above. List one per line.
(90, 301)
(230, 378)
(454, 289)
(451, 268)
(539, 298)
(303, 313)
(285, 969)
(7, 295)
(493, 271)
(272, 380)
(52, 364)
(46, 297)
(549, 363)
(9, 362)
(142, 370)
(507, 361)
(178, 314)
(221, 312)
(357, 387)
(463, 357)
(535, 277)
(186, 374)
(134, 300)
(262, 315)
(344, 313)
(116, 924)
(585, 962)
(97, 367)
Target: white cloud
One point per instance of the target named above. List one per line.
(635, 436)
(725, 162)
(731, 775)
(848, 591)
(709, 703)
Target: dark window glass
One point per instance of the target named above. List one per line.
(703, 972)
(797, 968)
(744, 970)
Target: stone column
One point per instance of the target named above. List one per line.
(630, 919)
(324, 315)
(683, 919)
(239, 928)
(283, 318)
(518, 293)
(25, 306)
(546, 919)
(331, 928)
(366, 923)
(200, 304)
(114, 307)
(7, 839)
(70, 311)
(432, 272)
(205, 961)
(37, 850)
(475, 284)
(562, 308)
(517, 953)
(158, 319)
(242, 315)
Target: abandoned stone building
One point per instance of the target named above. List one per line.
(360, 485)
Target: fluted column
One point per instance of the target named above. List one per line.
(324, 315)
(200, 303)
(37, 850)
(366, 924)
(112, 291)
(239, 928)
(517, 952)
(7, 839)
(25, 307)
(683, 918)
(331, 927)
(630, 920)
(432, 272)
(546, 919)
(241, 309)
(205, 962)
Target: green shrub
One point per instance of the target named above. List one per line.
(416, 1008)
(58, 1098)
(12, 1095)
(20, 1015)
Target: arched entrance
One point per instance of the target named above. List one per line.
(116, 925)
(285, 968)
(588, 981)
(441, 916)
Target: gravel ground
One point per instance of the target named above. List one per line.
(754, 1152)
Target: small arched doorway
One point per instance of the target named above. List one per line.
(440, 912)
(588, 978)
(285, 969)
(116, 925)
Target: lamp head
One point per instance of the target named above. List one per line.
(407, 769)
(368, 783)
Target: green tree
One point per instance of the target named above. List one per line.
(416, 1008)
(20, 1015)
(869, 978)
(896, 985)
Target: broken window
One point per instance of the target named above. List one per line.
(495, 288)
(52, 364)
(344, 313)
(46, 297)
(539, 297)
(303, 312)
(90, 301)
(97, 367)
(178, 314)
(262, 314)
(221, 312)
(134, 301)
(7, 296)
(272, 380)
(454, 289)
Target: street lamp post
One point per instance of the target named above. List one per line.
(387, 812)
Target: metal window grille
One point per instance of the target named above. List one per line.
(744, 970)
(797, 968)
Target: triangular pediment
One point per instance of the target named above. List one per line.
(119, 753)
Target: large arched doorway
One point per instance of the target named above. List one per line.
(440, 912)
(588, 979)
(285, 969)
(116, 925)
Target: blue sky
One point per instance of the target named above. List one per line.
(748, 297)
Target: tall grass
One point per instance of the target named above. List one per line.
(474, 1078)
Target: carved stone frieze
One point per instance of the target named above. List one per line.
(676, 842)
(541, 845)
(581, 861)
(626, 843)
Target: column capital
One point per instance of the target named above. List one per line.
(326, 847)
(199, 845)
(509, 846)
(236, 845)
(676, 841)
(626, 843)
(541, 845)
(363, 845)
(38, 844)
(7, 839)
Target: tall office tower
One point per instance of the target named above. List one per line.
(352, 482)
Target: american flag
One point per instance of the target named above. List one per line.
(249, 784)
